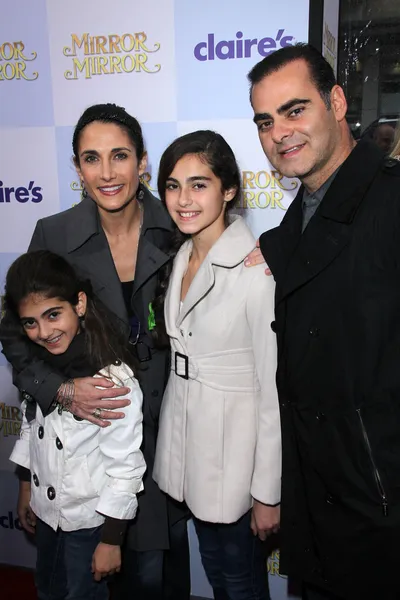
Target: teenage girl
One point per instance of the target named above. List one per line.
(219, 443)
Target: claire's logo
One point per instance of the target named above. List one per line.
(30, 193)
(10, 522)
(13, 62)
(239, 47)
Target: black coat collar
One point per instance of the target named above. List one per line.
(85, 220)
(87, 242)
(295, 258)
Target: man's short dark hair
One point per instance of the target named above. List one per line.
(321, 71)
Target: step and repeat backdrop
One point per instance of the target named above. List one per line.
(177, 66)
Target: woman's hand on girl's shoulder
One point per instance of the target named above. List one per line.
(256, 258)
(98, 405)
(106, 560)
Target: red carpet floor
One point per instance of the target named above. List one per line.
(16, 584)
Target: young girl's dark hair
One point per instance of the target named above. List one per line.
(215, 152)
(51, 276)
(109, 113)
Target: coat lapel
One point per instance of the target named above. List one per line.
(90, 252)
(172, 300)
(296, 258)
(200, 286)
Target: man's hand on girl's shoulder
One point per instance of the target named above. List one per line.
(256, 258)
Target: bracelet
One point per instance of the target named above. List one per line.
(65, 396)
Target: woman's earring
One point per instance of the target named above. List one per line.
(140, 194)
(83, 192)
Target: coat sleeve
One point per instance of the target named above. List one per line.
(123, 460)
(266, 481)
(20, 454)
(30, 375)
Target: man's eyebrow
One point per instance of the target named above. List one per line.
(288, 105)
(261, 117)
(282, 109)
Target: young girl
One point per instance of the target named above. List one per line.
(84, 478)
(219, 444)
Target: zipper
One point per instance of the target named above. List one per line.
(381, 489)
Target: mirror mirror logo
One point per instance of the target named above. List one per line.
(30, 193)
(239, 47)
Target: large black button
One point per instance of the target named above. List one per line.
(273, 326)
(59, 444)
(314, 331)
(51, 493)
(321, 416)
(329, 499)
(117, 363)
(35, 480)
(40, 433)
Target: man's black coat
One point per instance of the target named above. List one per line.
(338, 330)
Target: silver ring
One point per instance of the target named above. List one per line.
(97, 413)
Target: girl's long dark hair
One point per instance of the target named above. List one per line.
(51, 276)
(215, 151)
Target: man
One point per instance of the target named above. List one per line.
(383, 137)
(336, 261)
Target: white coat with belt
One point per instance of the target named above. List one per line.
(219, 441)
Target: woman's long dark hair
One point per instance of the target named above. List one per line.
(51, 276)
(215, 151)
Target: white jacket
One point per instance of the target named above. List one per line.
(219, 441)
(80, 471)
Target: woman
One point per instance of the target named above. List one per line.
(115, 238)
(219, 445)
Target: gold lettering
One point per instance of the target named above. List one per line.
(102, 65)
(16, 414)
(140, 43)
(115, 64)
(277, 178)
(101, 41)
(113, 40)
(79, 66)
(128, 58)
(6, 51)
(259, 176)
(77, 43)
(248, 177)
(131, 42)
(248, 198)
(267, 200)
(276, 197)
(141, 60)
(19, 52)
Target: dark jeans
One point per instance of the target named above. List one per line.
(64, 564)
(233, 559)
(156, 574)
